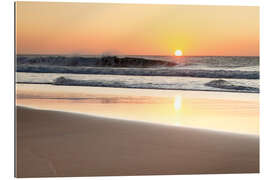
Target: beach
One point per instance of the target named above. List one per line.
(59, 135)
(136, 89)
(55, 143)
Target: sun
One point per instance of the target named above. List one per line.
(178, 53)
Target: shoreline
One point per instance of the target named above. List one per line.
(69, 144)
(198, 109)
(171, 89)
(140, 121)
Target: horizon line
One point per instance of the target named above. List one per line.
(81, 54)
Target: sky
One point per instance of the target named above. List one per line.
(136, 29)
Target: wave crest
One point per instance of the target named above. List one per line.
(222, 84)
(234, 74)
(228, 85)
(104, 61)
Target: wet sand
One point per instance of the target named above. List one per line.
(58, 143)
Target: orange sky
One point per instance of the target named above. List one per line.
(87, 28)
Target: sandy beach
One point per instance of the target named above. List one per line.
(55, 143)
(125, 90)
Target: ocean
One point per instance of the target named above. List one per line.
(200, 73)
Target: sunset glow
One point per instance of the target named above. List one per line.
(136, 29)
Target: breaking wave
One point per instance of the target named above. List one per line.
(202, 67)
(235, 74)
(221, 84)
(104, 61)
(228, 85)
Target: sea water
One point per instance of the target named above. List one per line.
(238, 74)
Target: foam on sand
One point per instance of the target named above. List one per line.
(54, 143)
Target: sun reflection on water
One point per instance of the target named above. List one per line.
(177, 108)
(177, 102)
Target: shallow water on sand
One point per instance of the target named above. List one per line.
(235, 112)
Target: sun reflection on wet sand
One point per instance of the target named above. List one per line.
(177, 102)
(195, 109)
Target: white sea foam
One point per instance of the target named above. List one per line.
(238, 74)
(145, 82)
(208, 67)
